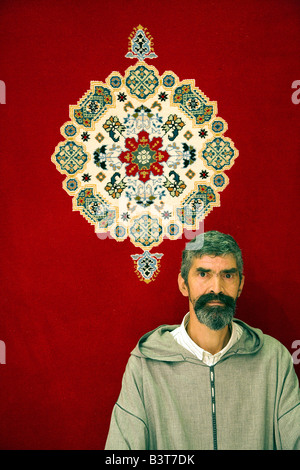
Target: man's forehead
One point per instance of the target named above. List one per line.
(215, 263)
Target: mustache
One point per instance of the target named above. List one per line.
(203, 299)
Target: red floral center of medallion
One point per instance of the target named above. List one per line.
(144, 156)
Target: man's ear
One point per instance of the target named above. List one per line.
(182, 286)
(241, 285)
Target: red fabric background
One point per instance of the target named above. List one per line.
(72, 307)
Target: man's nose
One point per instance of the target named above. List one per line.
(216, 284)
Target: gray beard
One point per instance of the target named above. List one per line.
(215, 318)
(218, 316)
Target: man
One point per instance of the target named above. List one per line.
(212, 382)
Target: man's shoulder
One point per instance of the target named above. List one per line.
(255, 340)
(275, 346)
(159, 345)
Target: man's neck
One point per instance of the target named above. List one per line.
(210, 340)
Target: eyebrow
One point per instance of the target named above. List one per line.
(226, 271)
(203, 270)
(232, 270)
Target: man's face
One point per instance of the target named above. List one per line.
(213, 287)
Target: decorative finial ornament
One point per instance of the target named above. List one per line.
(140, 44)
(144, 156)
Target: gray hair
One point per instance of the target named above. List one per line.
(211, 243)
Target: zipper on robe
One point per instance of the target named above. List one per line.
(213, 407)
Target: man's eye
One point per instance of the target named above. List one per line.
(202, 274)
(228, 276)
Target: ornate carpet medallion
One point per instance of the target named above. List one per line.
(144, 155)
